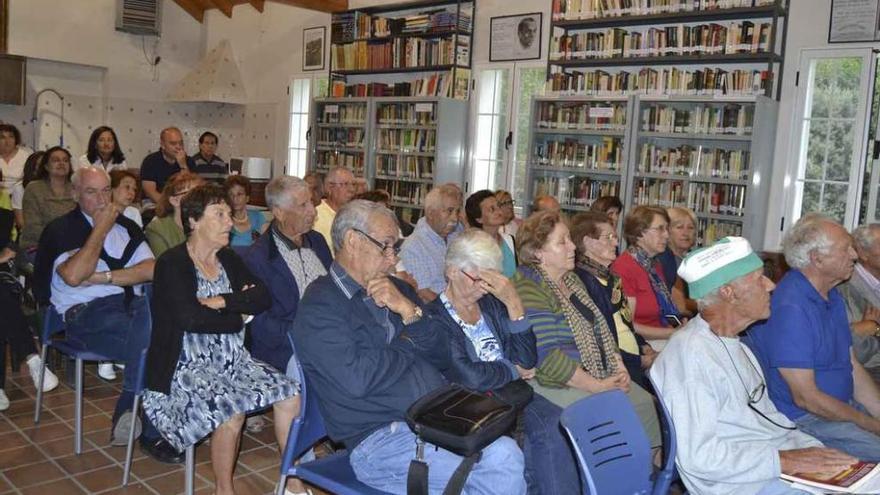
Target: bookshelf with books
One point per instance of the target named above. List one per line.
(578, 149)
(711, 155)
(675, 47)
(417, 142)
(430, 38)
(339, 134)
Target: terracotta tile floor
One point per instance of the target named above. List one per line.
(39, 459)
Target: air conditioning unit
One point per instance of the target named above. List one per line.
(139, 16)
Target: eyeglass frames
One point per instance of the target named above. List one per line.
(385, 248)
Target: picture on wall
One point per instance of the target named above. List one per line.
(515, 37)
(313, 48)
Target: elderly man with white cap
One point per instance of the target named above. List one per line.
(731, 439)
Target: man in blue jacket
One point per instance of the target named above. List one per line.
(366, 350)
(287, 259)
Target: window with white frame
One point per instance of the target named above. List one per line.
(829, 140)
(301, 91)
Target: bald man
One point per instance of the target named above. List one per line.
(157, 167)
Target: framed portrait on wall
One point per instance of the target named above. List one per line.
(515, 37)
(313, 48)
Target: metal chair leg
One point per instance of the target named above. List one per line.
(130, 448)
(43, 355)
(279, 490)
(77, 439)
(190, 468)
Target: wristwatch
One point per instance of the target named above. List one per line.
(108, 275)
(416, 316)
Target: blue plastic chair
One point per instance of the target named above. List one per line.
(667, 473)
(611, 445)
(332, 473)
(53, 323)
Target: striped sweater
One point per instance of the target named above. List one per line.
(558, 355)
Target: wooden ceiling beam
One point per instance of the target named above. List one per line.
(319, 5)
(193, 8)
(258, 4)
(225, 6)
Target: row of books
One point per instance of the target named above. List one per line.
(571, 153)
(342, 137)
(582, 116)
(406, 140)
(711, 230)
(701, 39)
(351, 114)
(694, 161)
(401, 53)
(593, 9)
(438, 84)
(405, 167)
(325, 160)
(412, 193)
(733, 118)
(702, 198)
(672, 81)
(351, 26)
(406, 113)
(576, 191)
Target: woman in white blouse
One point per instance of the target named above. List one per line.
(103, 150)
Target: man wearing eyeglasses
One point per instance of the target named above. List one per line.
(731, 439)
(368, 354)
(339, 189)
(813, 376)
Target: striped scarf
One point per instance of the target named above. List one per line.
(594, 341)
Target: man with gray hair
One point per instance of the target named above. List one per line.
(288, 259)
(339, 189)
(730, 437)
(862, 296)
(368, 352)
(805, 347)
(90, 265)
(424, 251)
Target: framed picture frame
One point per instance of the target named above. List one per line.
(853, 21)
(314, 41)
(515, 37)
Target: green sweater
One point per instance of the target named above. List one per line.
(163, 234)
(558, 355)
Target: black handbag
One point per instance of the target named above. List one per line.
(459, 420)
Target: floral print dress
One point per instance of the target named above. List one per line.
(215, 378)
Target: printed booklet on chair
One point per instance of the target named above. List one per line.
(862, 477)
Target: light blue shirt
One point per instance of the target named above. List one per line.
(65, 296)
(508, 260)
(424, 255)
(485, 344)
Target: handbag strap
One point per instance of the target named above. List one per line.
(417, 477)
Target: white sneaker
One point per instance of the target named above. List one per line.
(105, 371)
(50, 381)
(4, 401)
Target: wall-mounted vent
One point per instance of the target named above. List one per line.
(139, 16)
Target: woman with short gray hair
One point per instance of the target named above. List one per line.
(491, 345)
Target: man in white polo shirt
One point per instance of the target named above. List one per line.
(731, 439)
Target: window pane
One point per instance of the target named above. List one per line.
(484, 174)
(835, 87)
(529, 82)
(295, 132)
(817, 138)
(812, 195)
(834, 201)
(840, 145)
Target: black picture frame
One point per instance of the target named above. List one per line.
(873, 37)
(314, 54)
(505, 47)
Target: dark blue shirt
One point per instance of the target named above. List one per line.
(804, 331)
(154, 168)
(365, 366)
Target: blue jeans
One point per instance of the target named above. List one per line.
(843, 435)
(382, 461)
(551, 468)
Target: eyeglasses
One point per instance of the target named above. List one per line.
(475, 280)
(659, 228)
(508, 202)
(385, 248)
(182, 193)
(607, 237)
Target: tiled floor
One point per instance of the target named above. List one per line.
(39, 459)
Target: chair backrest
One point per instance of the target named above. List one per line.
(307, 428)
(52, 323)
(667, 472)
(611, 444)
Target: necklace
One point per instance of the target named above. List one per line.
(209, 271)
(243, 219)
